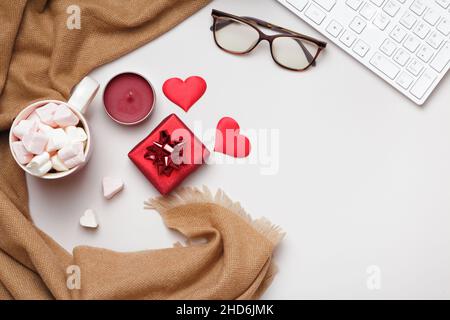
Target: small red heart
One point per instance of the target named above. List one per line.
(229, 141)
(184, 93)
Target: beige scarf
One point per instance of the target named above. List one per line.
(40, 58)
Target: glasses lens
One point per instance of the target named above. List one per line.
(294, 53)
(235, 36)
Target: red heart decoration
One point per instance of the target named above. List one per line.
(229, 141)
(184, 93)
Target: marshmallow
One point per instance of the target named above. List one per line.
(72, 154)
(34, 116)
(57, 164)
(76, 134)
(46, 114)
(40, 171)
(75, 161)
(70, 150)
(44, 128)
(64, 117)
(39, 160)
(25, 127)
(111, 186)
(40, 164)
(57, 139)
(35, 142)
(22, 155)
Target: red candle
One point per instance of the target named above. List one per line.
(129, 98)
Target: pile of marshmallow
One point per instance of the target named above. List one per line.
(50, 139)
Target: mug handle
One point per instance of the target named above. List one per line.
(83, 94)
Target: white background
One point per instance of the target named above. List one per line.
(364, 174)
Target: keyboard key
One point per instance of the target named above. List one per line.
(421, 30)
(334, 28)
(298, 4)
(412, 43)
(444, 26)
(398, 34)
(435, 39)
(368, 11)
(315, 14)
(358, 24)
(431, 16)
(361, 48)
(425, 53)
(348, 38)
(405, 80)
(388, 47)
(408, 20)
(354, 4)
(415, 67)
(442, 58)
(418, 7)
(381, 21)
(443, 3)
(421, 86)
(391, 8)
(401, 57)
(378, 3)
(385, 65)
(326, 4)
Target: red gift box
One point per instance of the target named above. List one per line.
(151, 155)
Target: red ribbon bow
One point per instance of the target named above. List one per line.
(163, 153)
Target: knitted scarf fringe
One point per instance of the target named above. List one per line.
(191, 195)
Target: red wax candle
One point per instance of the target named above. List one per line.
(129, 98)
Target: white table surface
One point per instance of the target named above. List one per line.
(363, 178)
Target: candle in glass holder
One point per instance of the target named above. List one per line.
(129, 98)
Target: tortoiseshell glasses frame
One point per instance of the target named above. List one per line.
(222, 19)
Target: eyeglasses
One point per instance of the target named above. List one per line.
(289, 49)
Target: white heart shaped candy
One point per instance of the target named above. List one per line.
(111, 186)
(89, 220)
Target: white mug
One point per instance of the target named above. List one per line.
(81, 97)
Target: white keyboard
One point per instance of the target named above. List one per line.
(405, 42)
